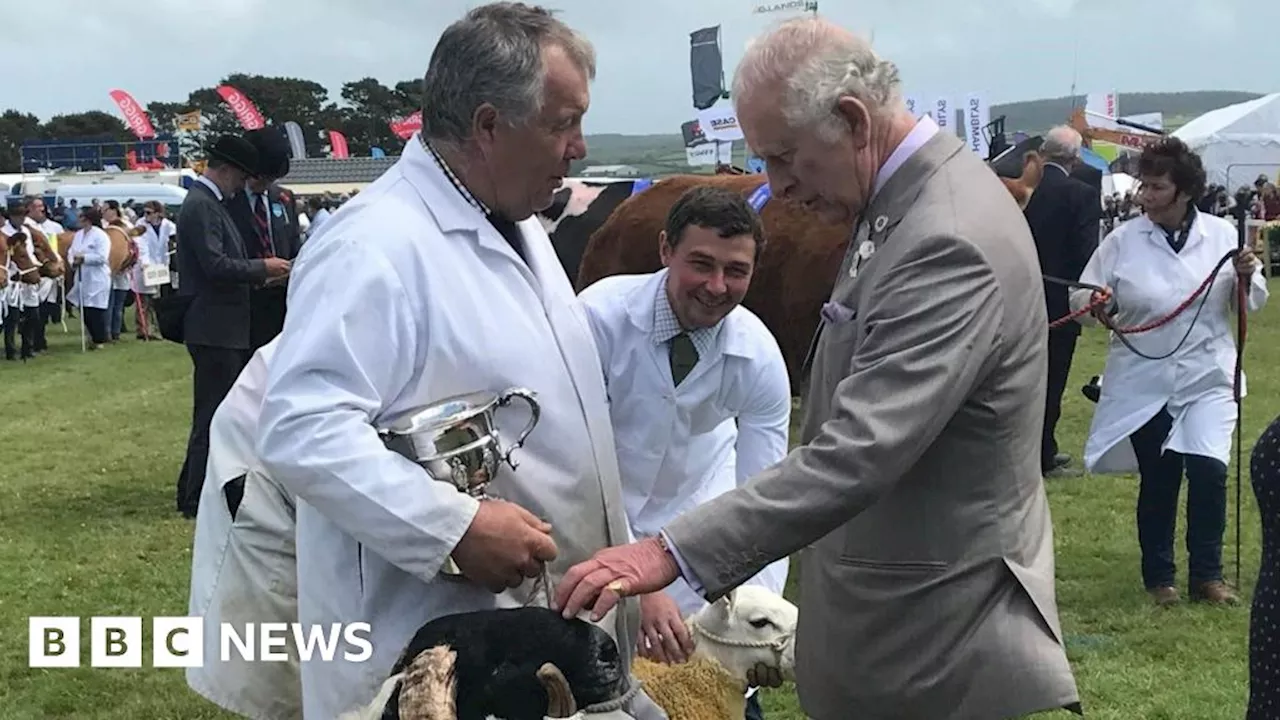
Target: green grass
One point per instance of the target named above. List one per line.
(93, 442)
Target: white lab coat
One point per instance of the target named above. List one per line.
(153, 249)
(92, 286)
(244, 570)
(1148, 281)
(411, 297)
(680, 447)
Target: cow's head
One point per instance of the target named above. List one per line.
(750, 625)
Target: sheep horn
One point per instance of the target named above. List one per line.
(428, 691)
(560, 702)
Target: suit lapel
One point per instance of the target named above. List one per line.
(897, 196)
(884, 214)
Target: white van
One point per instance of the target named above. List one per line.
(171, 196)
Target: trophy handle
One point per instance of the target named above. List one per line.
(529, 397)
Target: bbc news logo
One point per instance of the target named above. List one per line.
(54, 642)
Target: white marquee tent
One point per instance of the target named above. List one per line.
(1238, 142)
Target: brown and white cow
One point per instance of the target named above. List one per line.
(607, 229)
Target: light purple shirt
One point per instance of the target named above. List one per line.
(924, 131)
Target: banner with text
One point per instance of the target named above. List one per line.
(1103, 109)
(977, 114)
(188, 122)
(246, 112)
(134, 116)
(709, 153)
(720, 123)
(944, 115)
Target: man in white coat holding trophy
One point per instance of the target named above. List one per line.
(434, 282)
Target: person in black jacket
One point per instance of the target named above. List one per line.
(1065, 216)
(268, 223)
(217, 275)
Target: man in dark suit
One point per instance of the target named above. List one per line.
(1065, 215)
(217, 276)
(268, 223)
(1089, 175)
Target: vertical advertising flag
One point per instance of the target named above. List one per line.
(246, 112)
(338, 144)
(404, 128)
(134, 116)
(944, 115)
(977, 115)
(706, 67)
(297, 143)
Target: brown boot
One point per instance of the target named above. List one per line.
(1214, 592)
(1164, 596)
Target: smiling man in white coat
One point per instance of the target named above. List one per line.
(698, 389)
(438, 280)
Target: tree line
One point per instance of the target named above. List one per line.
(363, 116)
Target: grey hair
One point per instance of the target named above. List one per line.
(1061, 145)
(817, 63)
(494, 55)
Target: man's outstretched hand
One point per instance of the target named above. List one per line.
(614, 573)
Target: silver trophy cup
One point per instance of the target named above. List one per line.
(456, 441)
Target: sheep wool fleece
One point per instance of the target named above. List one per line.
(700, 689)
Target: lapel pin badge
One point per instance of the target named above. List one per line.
(881, 222)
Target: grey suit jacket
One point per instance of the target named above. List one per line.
(214, 267)
(927, 589)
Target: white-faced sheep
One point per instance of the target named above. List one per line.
(531, 664)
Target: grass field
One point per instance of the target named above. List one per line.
(93, 442)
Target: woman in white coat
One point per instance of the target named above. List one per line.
(1175, 410)
(153, 249)
(92, 290)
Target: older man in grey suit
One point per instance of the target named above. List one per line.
(927, 584)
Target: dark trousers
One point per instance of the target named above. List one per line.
(1159, 486)
(115, 322)
(754, 712)
(95, 324)
(1062, 346)
(52, 311)
(215, 371)
(25, 323)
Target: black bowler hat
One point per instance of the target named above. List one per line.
(273, 151)
(236, 151)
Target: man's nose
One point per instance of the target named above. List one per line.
(716, 284)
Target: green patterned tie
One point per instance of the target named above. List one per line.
(683, 357)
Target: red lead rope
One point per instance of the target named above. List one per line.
(1100, 300)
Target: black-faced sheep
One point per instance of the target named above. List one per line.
(531, 664)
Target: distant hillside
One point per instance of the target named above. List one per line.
(663, 154)
(1036, 116)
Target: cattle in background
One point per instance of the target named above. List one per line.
(793, 277)
(795, 273)
(580, 207)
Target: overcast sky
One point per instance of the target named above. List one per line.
(1009, 49)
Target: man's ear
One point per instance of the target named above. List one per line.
(664, 250)
(858, 117)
